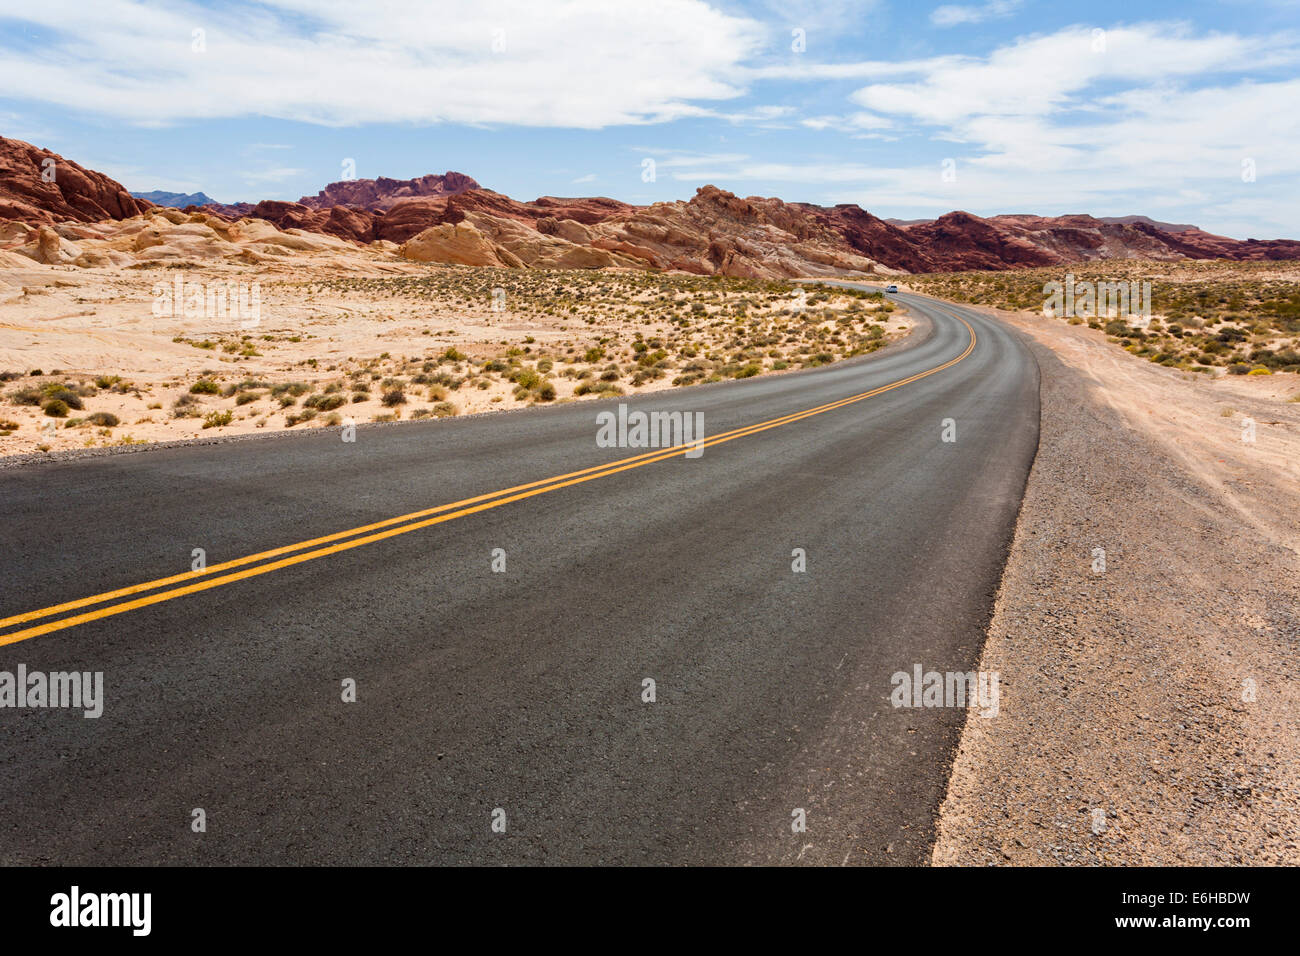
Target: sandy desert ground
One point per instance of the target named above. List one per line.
(324, 332)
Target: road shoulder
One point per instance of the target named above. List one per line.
(1148, 709)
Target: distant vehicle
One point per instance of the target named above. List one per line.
(891, 288)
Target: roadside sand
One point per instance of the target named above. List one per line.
(361, 322)
(1165, 691)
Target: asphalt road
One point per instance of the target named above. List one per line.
(522, 689)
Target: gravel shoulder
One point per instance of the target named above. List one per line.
(1163, 690)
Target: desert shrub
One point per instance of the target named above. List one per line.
(525, 378)
(246, 398)
(393, 397)
(218, 419)
(325, 403)
(205, 386)
(55, 408)
(439, 410)
(26, 396)
(61, 393)
(104, 419)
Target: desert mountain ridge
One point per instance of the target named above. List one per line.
(450, 218)
(1121, 220)
(161, 197)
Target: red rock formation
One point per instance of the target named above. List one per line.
(38, 186)
(717, 231)
(714, 232)
(1197, 244)
(383, 193)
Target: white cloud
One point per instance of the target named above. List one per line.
(953, 15)
(841, 16)
(274, 175)
(1161, 120)
(1152, 115)
(1043, 74)
(854, 123)
(585, 63)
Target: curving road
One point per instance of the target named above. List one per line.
(522, 689)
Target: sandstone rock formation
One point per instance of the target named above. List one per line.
(460, 243)
(383, 193)
(38, 186)
(451, 219)
(167, 236)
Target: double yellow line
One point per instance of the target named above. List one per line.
(192, 582)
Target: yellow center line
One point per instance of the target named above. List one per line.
(406, 523)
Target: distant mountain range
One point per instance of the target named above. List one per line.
(1118, 220)
(373, 195)
(160, 197)
(451, 218)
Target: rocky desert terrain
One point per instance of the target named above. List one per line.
(178, 325)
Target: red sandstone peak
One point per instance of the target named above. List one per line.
(38, 186)
(384, 193)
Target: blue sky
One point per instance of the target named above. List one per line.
(1183, 111)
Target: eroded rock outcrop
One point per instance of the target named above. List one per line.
(38, 186)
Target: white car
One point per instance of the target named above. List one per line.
(891, 288)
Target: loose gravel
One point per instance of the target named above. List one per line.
(1150, 712)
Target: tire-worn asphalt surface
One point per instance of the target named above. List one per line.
(522, 690)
